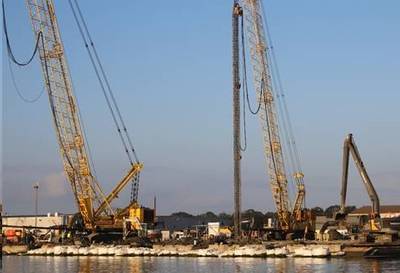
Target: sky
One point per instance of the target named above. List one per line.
(169, 63)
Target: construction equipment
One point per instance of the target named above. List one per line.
(237, 12)
(349, 147)
(95, 211)
(252, 24)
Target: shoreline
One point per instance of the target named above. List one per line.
(276, 249)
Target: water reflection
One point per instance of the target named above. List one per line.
(111, 264)
(196, 265)
(375, 266)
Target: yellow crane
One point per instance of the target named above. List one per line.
(252, 25)
(94, 206)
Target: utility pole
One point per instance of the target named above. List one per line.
(36, 193)
(237, 12)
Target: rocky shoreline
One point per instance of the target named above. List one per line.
(216, 250)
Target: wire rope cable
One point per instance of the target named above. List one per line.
(107, 92)
(104, 75)
(8, 43)
(18, 90)
(281, 94)
(102, 85)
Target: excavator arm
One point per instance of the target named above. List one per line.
(349, 147)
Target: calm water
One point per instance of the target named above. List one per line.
(15, 264)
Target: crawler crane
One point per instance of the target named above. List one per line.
(248, 20)
(96, 215)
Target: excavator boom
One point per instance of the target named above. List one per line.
(349, 146)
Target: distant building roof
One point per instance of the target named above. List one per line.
(176, 222)
(365, 210)
(39, 215)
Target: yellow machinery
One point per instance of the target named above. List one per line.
(248, 20)
(95, 211)
(375, 221)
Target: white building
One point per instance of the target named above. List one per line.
(18, 222)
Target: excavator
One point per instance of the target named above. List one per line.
(350, 147)
(375, 222)
(248, 20)
(95, 214)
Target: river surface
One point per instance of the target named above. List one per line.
(30, 264)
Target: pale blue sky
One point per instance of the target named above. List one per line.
(170, 65)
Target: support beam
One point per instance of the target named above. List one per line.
(237, 12)
(136, 168)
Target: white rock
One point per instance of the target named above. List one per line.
(72, 250)
(270, 252)
(84, 251)
(102, 250)
(57, 250)
(32, 252)
(303, 251)
(93, 250)
(338, 253)
(49, 251)
(121, 251)
(320, 251)
(282, 251)
(111, 251)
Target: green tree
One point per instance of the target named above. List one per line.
(331, 210)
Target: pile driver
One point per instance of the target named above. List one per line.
(248, 20)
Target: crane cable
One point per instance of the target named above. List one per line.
(245, 90)
(80, 20)
(282, 96)
(8, 43)
(261, 99)
(106, 80)
(290, 143)
(17, 89)
(102, 85)
(110, 98)
(136, 179)
(11, 57)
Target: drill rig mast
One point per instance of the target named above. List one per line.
(257, 45)
(93, 205)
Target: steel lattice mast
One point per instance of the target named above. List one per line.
(257, 43)
(63, 106)
(93, 205)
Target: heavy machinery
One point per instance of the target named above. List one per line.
(375, 223)
(248, 20)
(349, 147)
(96, 214)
